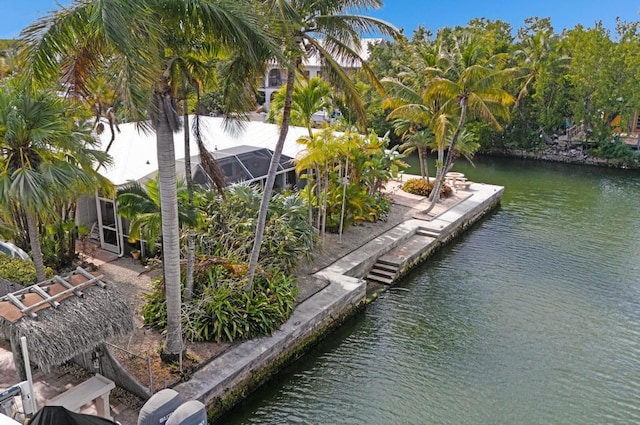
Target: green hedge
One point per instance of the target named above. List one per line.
(19, 271)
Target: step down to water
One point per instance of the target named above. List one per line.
(384, 273)
(386, 267)
(428, 233)
(388, 263)
(379, 279)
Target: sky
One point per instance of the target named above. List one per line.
(408, 14)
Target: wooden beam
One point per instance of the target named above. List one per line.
(23, 308)
(44, 295)
(67, 285)
(89, 276)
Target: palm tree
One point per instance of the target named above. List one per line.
(188, 71)
(419, 141)
(537, 56)
(469, 84)
(328, 30)
(131, 39)
(44, 156)
(308, 98)
(141, 204)
(414, 113)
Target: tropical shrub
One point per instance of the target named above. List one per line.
(615, 150)
(228, 228)
(19, 271)
(223, 311)
(220, 308)
(422, 188)
(58, 244)
(347, 175)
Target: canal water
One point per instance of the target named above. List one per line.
(532, 317)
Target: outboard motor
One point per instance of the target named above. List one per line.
(191, 412)
(158, 409)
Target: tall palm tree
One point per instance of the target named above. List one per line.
(329, 30)
(419, 141)
(44, 156)
(308, 98)
(414, 113)
(537, 56)
(469, 84)
(131, 38)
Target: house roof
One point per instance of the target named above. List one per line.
(135, 155)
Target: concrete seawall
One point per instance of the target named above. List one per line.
(230, 377)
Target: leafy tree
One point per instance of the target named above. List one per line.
(308, 97)
(44, 155)
(593, 78)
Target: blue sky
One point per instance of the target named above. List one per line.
(408, 14)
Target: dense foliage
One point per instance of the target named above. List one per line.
(581, 83)
(220, 308)
(19, 271)
(345, 174)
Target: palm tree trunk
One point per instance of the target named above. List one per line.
(426, 164)
(324, 201)
(344, 196)
(36, 250)
(271, 178)
(191, 237)
(310, 195)
(423, 171)
(440, 173)
(319, 184)
(170, 231)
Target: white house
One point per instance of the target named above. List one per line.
(243, 153)
(276, 77)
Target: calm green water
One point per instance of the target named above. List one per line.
(533, 317)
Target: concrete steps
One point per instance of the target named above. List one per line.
(387, 268)
(384, 272)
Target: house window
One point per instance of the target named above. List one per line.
(275, 79)
(638, 122)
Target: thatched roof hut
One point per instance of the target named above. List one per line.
(63, 317)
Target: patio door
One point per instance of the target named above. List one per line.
(109, 224)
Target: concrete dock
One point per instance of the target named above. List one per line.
(228, 378)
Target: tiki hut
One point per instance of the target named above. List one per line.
(62, 318)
